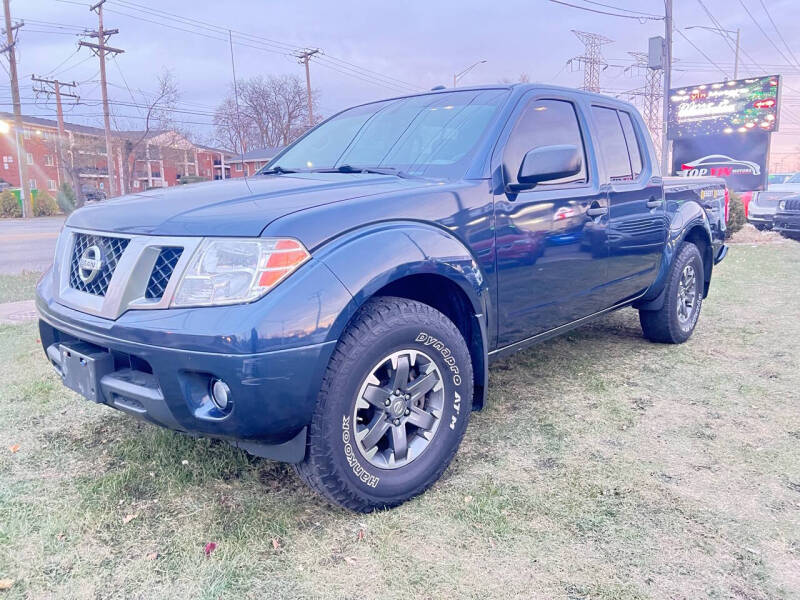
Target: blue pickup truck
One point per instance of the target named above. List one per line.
(340, 309)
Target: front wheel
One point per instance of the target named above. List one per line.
(394, 405)
(675, 321)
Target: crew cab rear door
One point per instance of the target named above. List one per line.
(550, 239)
(637, 226)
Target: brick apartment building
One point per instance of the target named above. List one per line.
(159, 159)
(248, 163)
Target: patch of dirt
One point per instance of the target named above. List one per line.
(750, 235)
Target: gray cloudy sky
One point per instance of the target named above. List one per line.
(418, 43)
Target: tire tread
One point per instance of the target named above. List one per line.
(316, 470)
(661, 325)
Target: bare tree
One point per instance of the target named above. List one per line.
(271, 112)
(523, 78)
(82, 158)
(157, 119)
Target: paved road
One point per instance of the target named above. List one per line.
(12, 313)
(28, 244)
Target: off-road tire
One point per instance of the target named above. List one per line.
(334, 463)
(663, 325)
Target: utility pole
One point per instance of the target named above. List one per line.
(592, 61)
(665, 166)
(53, 87)
(736, 58)
(27, 209)
(303, 58)
(101, 49)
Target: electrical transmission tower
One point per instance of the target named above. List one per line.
(651, 97)
(591, 61)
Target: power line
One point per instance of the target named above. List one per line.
(255, 42)
(764, 33)
(696, 47)
(623, 9)
(778, 31)
(610, 14)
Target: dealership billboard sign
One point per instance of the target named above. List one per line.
(739, 159)
(740, 106)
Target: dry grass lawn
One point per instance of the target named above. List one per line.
(603, 467)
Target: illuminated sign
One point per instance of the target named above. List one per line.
(725, 107)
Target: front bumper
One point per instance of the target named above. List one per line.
(787, 222)
(760, 219)
(272, 393)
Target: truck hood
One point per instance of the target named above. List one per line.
(235, 207)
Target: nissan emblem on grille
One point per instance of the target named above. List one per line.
(90, 263)
(93, 261)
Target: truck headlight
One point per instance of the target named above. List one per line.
(782, 205)
(233, 271)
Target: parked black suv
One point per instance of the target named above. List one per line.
(787, 217)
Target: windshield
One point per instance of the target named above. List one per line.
(794, 178)
(428, 136)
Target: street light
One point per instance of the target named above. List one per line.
(458, 76)
(728, 34)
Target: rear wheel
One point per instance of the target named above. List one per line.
(675, 321)
(394, 405)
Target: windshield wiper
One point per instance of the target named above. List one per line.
(375, 170)
(276, 170)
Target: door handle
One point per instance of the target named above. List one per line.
(654, 202)
(597, 211)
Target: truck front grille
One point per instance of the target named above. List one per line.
(793, 204)
(107, 249)
(162, 272)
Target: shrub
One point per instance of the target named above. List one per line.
(9, 205)
(736, 218)
(66, 198)
(44, 206)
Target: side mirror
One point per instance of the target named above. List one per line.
(548, 163)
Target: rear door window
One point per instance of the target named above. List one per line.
(634, 148)
(612, 144)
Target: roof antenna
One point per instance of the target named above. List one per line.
(238, 116)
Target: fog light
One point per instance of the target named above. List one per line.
(220, 394)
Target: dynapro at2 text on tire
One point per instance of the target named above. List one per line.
(393, 407)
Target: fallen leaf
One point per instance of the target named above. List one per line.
(14, 448)
(210, 547)
(276, 543)
(5, 584)
(467, 499)
(128, 518)
(152, 556)
(184, 462)
(350, 560)
(61, 537)
(360, 536)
